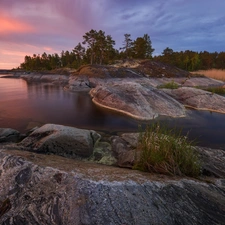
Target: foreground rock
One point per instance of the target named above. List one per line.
(198, 99)
(47, 189)
(60, 140)
(137, 100)
(124, 148)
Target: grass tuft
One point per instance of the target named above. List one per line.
(216, 90)
(169, 85)
(165, 151)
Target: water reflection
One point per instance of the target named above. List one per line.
(23, 104)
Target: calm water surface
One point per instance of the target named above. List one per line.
(23, 106)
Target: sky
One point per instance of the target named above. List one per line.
(30, 27)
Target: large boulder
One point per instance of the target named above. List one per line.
(198, 99)
(61, 140)
(138, 100)
(48, 189)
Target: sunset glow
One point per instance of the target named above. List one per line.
(34, 27)
(13, 26)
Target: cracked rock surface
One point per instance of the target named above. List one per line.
(48, 189)
(140, 101)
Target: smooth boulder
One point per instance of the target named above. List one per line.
(61, 140)
(198, 99)
(140, 101)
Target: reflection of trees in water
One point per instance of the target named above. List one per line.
(46, 91)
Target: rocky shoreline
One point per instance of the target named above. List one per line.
(39, 186)
(137, 95)
(56, 174)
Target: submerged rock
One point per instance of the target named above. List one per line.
(139, 101)
(46, 189)
(60, 140)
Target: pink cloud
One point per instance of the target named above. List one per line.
(10, 25)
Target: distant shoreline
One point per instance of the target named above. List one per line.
(5, 71)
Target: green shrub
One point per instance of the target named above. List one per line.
(169, 85)
(216, 90)
(167, 152)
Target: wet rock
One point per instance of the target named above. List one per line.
(139, 101)
(9, 135)
(63, 191)
(198, 99)
(61, 140)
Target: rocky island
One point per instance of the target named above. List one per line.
(64, 175)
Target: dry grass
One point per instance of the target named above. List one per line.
(213, 73)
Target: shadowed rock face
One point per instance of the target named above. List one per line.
(43, 189)
(55, 78)
(61, 140)
(139, 101)
(9, 135)
(198, 99)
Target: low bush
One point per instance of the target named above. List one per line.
(169, 85)
(166, 151)
(216, 90)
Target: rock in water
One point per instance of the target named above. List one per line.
(61, 140)
(136, 100)
(198, 99)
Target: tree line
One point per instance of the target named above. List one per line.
(191, 60)
(96, 48)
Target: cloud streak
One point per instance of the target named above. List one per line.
(55, 25)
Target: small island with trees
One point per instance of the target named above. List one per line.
(98, 48)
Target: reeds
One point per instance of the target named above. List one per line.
(166, 151)
(213, 73)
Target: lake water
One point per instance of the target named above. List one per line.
(25, 105)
